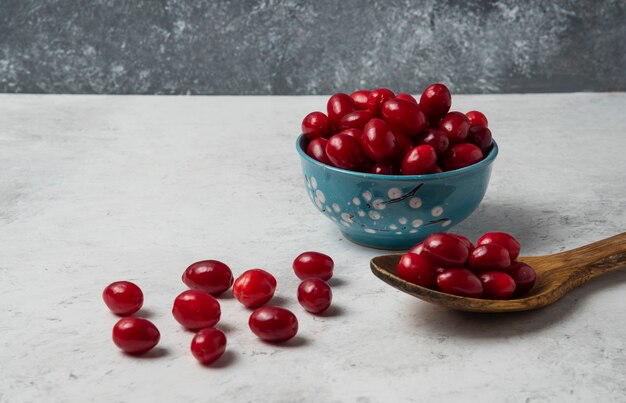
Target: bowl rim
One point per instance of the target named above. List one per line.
(442, 175)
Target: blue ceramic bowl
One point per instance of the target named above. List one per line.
(394, 211)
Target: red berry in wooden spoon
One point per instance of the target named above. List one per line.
(208, 345)
(524, 277)
(461, 282)
(315, 124)
(254, 288)
(210, 276)
(135, 335)
(417, 269)
(314, 295)
(420, 160)
(503, 239)
(497, 285)
(435, 102)
(489, 257)
(273, 324)
(378, 141)
(123, 298)
(196, 309)
(313, 265)
(445, 250)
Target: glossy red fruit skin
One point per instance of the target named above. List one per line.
(488, 258)
(404, 116)
(383, 168)
(524, 277)
(466, 241)
(195, 309)
(377, 98)
(437, 170)
(461, 155)
(444, 250)
(123, 297)
(315, 124)
(354, 120)
(273, 324)
(461, 282)
(210, 276)
(360, 98)
(135, 335)
(481, 137)
(497, 285)
(378, 141)
(417, 269)
(403, 146)
(317, 150)
(407, 97)
(455, 126)
(356, 133)
(254, 288)
(420, 160)
(436, 139)
(338, 105)
(477, 118)
(314, 295)
(345, 152)
(313, 265)
(503, 239)
(417, 249)
(208, 345)
(435, 101)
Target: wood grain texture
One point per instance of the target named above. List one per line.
(557, 274)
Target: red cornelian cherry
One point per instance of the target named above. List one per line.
(273, 324)
(210, 276)
(524, 277)
(404, 116)
(420, 160)
(481, 137)
(378, 141)
(356, 133)
(435, 101)
(208, 345)
(417, 249)
(383, 168)
(437, 170)
(196, 309)
(377, 98)
(445, 250)
(403, 146)
(314, 295)
(497, 285)
(489, 257)
(135, 335)
(317, 150)
(455, 126)
(503, 239)
(338, 105)
(123, 297)
(354, 120)
(407, 97)
(461, 155)
(436, 139)
(315, 124)
(254, 288)
(313, 265)
(477, 118)
(360, 98)
(417, 269)
(461, 282)
(466, 241)
(345, 152)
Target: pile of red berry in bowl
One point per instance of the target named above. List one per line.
(450, 263)
(390, 170)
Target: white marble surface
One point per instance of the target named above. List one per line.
(101, 188)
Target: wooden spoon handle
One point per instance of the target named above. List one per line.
(597, 258)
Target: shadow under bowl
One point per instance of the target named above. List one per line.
(394, 211)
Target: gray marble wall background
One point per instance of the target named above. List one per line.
(310, 47)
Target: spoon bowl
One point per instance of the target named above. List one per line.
(557, 274)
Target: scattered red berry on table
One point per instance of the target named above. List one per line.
(313, 265)
(210, 276)
(123, 298)
(314, 295)
(273, 324)
(135, 335)
(208, 345)
(254, 288)
(196, 309)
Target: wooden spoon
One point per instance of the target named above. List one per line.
(557, 274)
